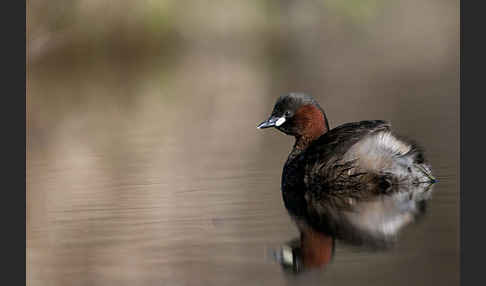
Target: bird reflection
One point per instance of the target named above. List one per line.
(371, 221)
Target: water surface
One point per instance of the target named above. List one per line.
(146, 167)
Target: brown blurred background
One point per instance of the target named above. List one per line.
(144, 166)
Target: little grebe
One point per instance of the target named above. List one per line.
(354, 160)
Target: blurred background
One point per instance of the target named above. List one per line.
(144, 164)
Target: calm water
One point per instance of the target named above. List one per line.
(150, 171)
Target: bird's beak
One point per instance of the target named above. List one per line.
(271, 122)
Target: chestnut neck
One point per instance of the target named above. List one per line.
(317, 249)
(311, 123)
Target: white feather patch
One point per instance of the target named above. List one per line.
(280, 121)
(287, 255)
(378, 152)
(387, 140)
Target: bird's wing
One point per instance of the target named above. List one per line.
(327, 160)
(334, 144)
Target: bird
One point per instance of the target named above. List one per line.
(336, 167)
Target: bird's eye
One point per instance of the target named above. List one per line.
(287, 113)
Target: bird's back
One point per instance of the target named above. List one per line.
(365, 152)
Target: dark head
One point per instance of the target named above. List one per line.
(299, 115)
